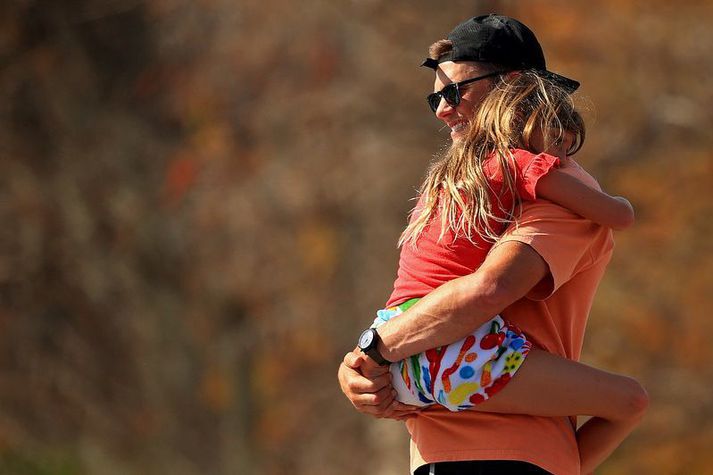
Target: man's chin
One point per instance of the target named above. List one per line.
(457, 136)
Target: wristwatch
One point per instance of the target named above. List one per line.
(368, 343)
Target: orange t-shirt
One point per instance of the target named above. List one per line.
(554, 317)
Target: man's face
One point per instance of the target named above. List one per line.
(457, 118)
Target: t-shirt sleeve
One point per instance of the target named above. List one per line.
(563, 239)
(529, 168)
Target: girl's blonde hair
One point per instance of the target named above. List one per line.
(520, 105)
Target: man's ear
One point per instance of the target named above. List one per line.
(512, 74)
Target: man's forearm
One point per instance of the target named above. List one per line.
(458, 307)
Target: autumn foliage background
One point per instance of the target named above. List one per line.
(200, 202)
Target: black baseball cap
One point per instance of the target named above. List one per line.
(501, 40)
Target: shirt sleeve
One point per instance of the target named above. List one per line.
(529, 168)
(563, 240)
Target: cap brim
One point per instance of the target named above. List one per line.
(430, 63)
(569, 85)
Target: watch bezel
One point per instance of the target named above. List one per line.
(365, 344)
(371, 348)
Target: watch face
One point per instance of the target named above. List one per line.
(365, 339)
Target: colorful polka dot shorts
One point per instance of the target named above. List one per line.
(462, 374)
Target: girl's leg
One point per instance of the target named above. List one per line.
(549, 385)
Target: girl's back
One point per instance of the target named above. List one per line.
(437, 259)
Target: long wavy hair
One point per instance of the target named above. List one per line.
(521, 108)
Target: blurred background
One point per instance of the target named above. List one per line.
(200, 202)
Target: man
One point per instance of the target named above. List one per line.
(541, 275)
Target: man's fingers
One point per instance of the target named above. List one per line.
(353, 359)
(366, 395)
(369, 394)
(400, 411)
(380, 399)
(377, 403)
(403, 417)
(359, 384)
(399, 406)
(372, 370)
(403, 414)
(374, 403)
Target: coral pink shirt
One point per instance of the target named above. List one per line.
(424, 267)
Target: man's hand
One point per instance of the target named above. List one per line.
(368, 386)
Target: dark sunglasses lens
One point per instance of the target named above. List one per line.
(433, 100)
(451, 95)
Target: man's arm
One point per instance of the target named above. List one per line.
(458, 307)
(447, 314)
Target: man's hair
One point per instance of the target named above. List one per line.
(456, 187)
(439, 48)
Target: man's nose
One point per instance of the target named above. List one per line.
(444, 109)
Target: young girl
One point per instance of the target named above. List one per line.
(467, 200)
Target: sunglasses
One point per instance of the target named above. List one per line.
(451, 92)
